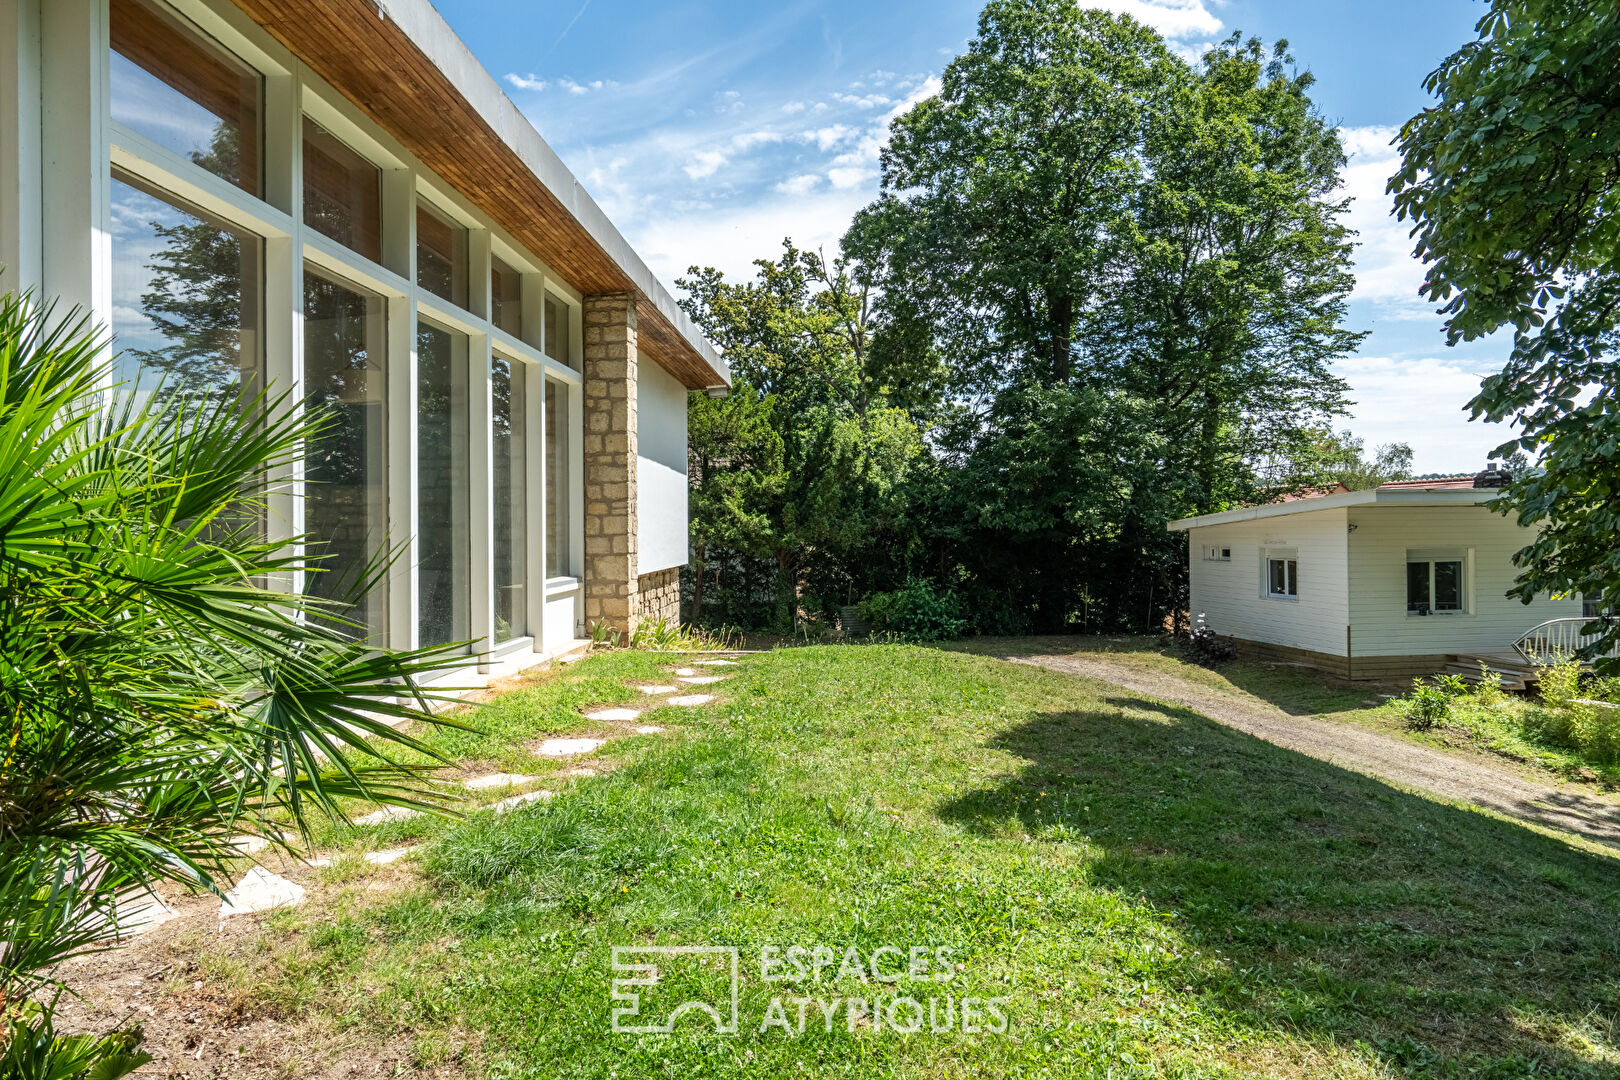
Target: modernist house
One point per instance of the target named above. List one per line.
(1399, 580)
(332, 198)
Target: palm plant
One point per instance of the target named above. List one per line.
(159, 696)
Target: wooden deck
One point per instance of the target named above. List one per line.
(1513, 670)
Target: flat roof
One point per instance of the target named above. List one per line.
(1402, 493)
(400, 63)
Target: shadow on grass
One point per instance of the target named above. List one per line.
(1446, 942)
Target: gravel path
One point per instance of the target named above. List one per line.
(1417, 767)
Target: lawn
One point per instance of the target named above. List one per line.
(1144, 892)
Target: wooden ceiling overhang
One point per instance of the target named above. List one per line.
(402, 65)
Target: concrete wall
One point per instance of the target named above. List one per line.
(660, 469)
(1233, 593)
(1485, 541)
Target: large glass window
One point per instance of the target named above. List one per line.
(186, 298)
(346, 500)
(509, 382)
(1434, 586)
(441, 256)
(185, 93)
(342, 193)
(556, 331)
(505, 297)
(558, 563)
(444, 490)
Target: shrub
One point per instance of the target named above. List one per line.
(1429, 704)
(916, 612)
(1206, 646)
(1488, 691)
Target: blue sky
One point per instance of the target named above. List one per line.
(709, 131)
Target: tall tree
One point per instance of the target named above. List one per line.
(1512, 182)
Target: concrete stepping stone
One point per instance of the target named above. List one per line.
(702, 680)
(690, 700)
(498, 780)
(387, 814)
(716, 663)
(260, 890)
(685, 671)
(657, 689)
(568, 747)
(649, 729)
(376, 858)
(581, 771)
(507, 805)
(146, 912)
(613, 716)
(249, 845)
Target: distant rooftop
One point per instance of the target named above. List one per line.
(1433, 483)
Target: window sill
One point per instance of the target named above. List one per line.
(556, 587)
(1284, 599)
(507, 648)
(1438, 615)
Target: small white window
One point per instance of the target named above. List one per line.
(1218, 554)
(1282, 577)
(1434, 586)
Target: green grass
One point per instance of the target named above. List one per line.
(1153, 894)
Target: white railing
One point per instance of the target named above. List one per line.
(1560, 639)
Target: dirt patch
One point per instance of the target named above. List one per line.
(1565, 807)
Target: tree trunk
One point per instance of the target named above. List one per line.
(700, 569)
(1060, 317)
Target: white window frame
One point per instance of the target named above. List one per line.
(1290, 560)
(290, 92)
(1442, 555)
(1217, 553)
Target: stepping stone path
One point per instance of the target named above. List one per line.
(387, 814)
(568, 747)
(650, 729)
(497, 780)
(516, 801)
(701, 680)
(716, 663)
(690, 700)
(376, 858)
(260, 890)
(685, 671)
(582, 772)
(614, 716)
(150, 911)
(657, 689)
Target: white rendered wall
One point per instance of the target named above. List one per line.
(1232, 594)
(660, 468)
(1485, 541)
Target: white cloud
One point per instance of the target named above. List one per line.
(798, 185)
(531, 81)
(1420, 402)
(864, 101)
(1386, 273)
(705, 163)
(828, 137)
(1172, 18)
(794, 107)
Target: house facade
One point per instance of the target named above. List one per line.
(332, 200)
(1390, 582)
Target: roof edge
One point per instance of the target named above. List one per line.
(1368, 497)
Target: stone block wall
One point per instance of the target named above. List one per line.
(660, 595)
(611, 581)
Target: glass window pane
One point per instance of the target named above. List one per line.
(509, 384)
(441, 256)
(444, 489)
(342, 193)
(1293, 578)
(186, 299)
(556, 343)
(1448, 586)
(346, 500)
(1279, 576)
(558, 563)
(1417, 586)
(185, 93)
(505, 298)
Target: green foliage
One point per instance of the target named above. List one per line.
(1511, 183)
(158, 698)
(1488, 690)
(915, 612)
(1429, 704)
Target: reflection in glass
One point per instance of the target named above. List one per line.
(183, 92)
(505, 297)
(346, 502)
(443, 531)
(556, 342)
(186, 299)
(1448, 586)
(441, 256)
(342, 193)
(558, 563)
(510, 386)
